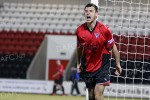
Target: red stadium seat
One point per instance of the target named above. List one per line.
(17, 50)
(18, 32)
(124, 39)
(26, 32)
(139, 57)
(25, 36)
(11, 32)
(133, 40)
(132, 49)
(123, 56)
(3, 36)
(22, 42)
(140, 49)
(24, 49)
(10, 49)
(40, 37)
(32, 36)
(146, 57)
(18, 35)
(124, 48)
(147, 41)
(1, 42)
(140, 41)
(29, 43)
(10, 35)
(116, 38)
(4, 31)
(1, 51)
(131, 56)
(147, 53)
(15, 42)
(118, 46)
(48, 32)
(147, 50)
(37, 43)
(7, 42)
(32, 50)
(3, 47)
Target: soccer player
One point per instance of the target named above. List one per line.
(58, 78)
(94, 42)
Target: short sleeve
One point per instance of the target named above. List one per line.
(109, 37)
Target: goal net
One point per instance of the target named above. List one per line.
(129, 20)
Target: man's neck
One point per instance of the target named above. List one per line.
(91, 25)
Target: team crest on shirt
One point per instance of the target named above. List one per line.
(97, 35)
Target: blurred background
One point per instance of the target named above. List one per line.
(34, 34)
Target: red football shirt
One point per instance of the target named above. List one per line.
(94, 43)
(60, 69)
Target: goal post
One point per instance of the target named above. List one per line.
(129, 21)
(95, 2)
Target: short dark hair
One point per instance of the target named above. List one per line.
(92, 5)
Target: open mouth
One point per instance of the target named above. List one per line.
(88, 17)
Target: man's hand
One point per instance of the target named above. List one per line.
(54, 76)
(118, 70)
(78, 68)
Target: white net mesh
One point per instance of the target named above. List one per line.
(129, 20)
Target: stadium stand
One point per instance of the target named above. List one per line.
(17, 50)
(23, 27)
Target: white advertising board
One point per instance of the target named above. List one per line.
(45, 87)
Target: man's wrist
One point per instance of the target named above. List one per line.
(117, 64)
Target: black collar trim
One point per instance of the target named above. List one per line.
(93, 28)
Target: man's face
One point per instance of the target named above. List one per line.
(90, 14)
(58, 62)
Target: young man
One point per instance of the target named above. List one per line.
(94, 41)
(58, 78)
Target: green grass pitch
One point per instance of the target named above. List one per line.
(18, 96)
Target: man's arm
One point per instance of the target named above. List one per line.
(117, 60)
(56, 74)
(79, 54)
(116, 54)
(59, 71)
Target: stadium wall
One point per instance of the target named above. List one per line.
(59, 47)
(37, 68)
(54, 47)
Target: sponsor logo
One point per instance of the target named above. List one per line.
(97, 35)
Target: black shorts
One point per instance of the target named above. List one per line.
(101, 76)
(59, 81)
